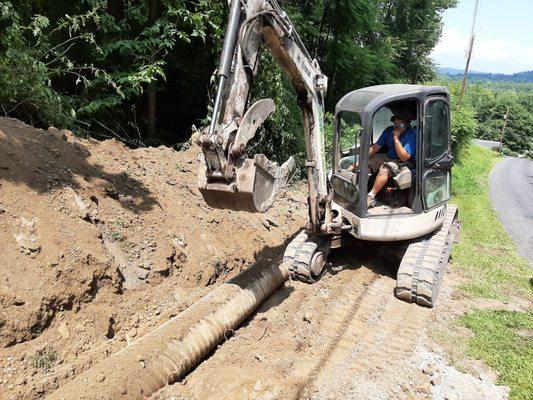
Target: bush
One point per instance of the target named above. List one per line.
(464, 125)
(463, 116)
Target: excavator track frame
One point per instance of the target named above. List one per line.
(424, 263)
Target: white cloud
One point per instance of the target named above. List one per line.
(505, 56)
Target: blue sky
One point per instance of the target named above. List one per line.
(504, 36)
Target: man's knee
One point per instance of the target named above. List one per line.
(385, 170)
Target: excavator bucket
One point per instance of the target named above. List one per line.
(257, 182)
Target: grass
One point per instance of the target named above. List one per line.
(503, 340)
(492, 268)
(485, 253)
(44, 358)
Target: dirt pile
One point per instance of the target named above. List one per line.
(99, 243)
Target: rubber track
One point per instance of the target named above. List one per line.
(424, 263)
(298, 256)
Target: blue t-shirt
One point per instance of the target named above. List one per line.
(408, 141)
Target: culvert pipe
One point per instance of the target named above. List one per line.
(171, 350)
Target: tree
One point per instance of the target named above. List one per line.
(142, 70)
(414, 28)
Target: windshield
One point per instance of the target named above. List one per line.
(349, 138)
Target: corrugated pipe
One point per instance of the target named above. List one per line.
(168, 352)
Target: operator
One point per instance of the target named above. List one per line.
(397, 144)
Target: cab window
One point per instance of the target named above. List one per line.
(436, 130)
(349, 137)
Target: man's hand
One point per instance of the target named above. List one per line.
(402, 154)
(396, 134)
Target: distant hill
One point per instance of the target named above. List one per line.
(476, 76)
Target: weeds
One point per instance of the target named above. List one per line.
(44, 358)
(118, 237)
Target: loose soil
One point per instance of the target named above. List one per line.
(100, 243)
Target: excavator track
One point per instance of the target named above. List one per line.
(305, 257)
(424, 263)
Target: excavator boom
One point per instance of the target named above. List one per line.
(230, 178)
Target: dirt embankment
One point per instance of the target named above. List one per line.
(100, 243)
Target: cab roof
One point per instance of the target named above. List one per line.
(372, 97)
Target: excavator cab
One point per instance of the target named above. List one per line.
(420, 186)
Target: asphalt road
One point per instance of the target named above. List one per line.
(511, 194)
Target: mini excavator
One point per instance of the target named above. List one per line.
(411, 210)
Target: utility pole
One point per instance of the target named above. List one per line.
(505, 117)
(469, 56)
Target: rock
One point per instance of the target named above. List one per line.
(422, 389)
(269, 395)
(58, 134)
(100, 377)
(79, 327)
(63, 330)
(20, 381)
(64, 374)
(142, 273)
(436, 380)
(258, 386)
(105, 188)
(265, 223)
(82, 207)
(164, 258)
(181, 241)
(429, 369)
(450, 396)
(27, 239)
(271, 222)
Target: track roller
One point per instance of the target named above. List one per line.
(306, 257)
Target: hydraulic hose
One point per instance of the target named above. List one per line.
(226, 58)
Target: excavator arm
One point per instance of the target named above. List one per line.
(228, 177)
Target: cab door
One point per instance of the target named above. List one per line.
(437, 156)
(346, 155)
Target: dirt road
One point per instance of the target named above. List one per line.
(345, 337)
(511, 194)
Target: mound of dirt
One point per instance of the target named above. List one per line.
(99, 243)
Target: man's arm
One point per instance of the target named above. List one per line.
(403, 154)
(373, 150)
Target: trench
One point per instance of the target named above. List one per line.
(171, 350)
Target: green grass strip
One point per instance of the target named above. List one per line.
(503, 339)
(485, 252)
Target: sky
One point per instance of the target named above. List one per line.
(503, 36)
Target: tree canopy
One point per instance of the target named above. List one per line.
(142, 70)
